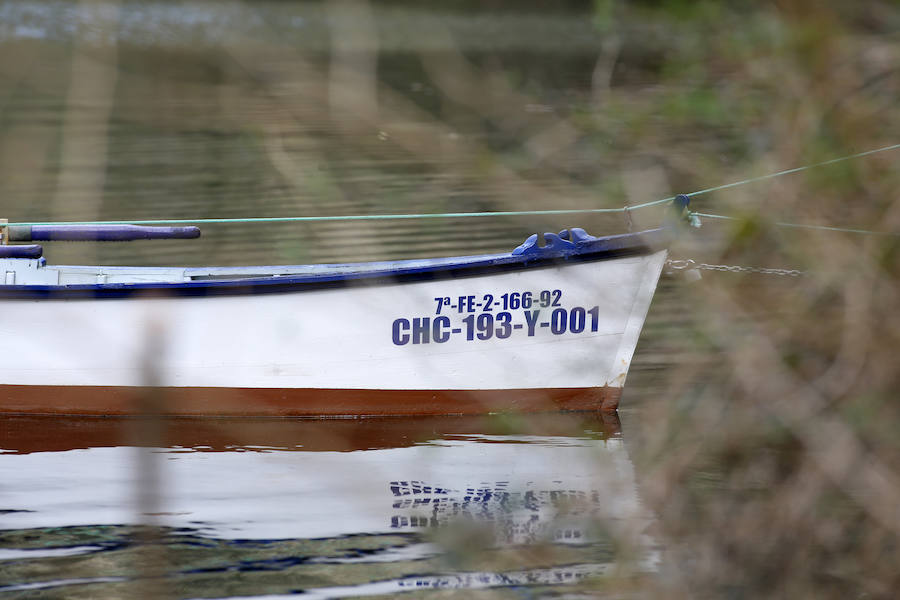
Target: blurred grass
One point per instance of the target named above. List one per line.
(761, 411)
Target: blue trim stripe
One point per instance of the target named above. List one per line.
(595, 249)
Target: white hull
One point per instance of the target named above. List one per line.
(344, 338)
(565, 325)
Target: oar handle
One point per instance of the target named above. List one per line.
(98, 233)
(30, 251)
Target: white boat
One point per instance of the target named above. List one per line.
(540, 328)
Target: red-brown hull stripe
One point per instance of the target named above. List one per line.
(33, 433)
(247, 402)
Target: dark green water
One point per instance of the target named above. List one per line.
(756, 454)
(270, 109)
(329, 509)
(180, 110)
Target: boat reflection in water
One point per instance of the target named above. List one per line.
(391, 504)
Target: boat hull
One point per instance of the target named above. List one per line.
(286, 402)
(554, 336)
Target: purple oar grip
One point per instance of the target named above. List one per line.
(32, 251)
(102, 233)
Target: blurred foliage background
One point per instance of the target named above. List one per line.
(761, 412)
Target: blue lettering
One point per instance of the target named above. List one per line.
(577, 320)
(421, 328)
(439, 329)
(481, 322)
(531, 317)
(399, 336)
(505, 329)
(558, 321)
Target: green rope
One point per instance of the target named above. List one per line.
(794, 170)
(509, 213)
(788, 172)
(803, 226)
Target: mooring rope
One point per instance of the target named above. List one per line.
(803, 225)
(794, 170)
(507, 213)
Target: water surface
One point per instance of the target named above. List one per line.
(330, 508)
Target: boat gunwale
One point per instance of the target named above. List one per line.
(600, 249)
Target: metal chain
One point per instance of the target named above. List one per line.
(673, 265)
